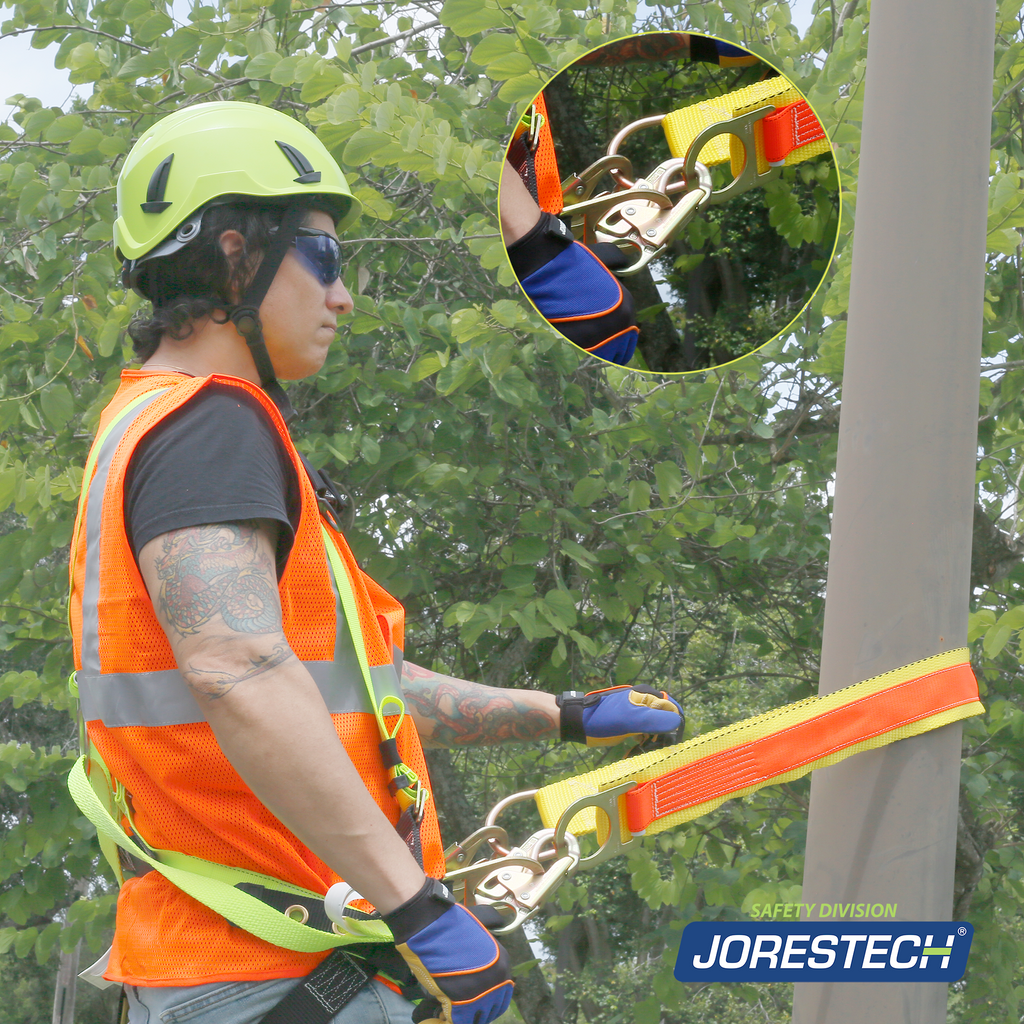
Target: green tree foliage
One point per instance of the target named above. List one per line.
(547, 521)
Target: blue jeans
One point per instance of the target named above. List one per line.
(246, 1002)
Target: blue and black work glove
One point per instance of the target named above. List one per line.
(574, 290)
(458, 963)
(602, 718)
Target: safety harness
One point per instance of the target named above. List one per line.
(283, 914)
(532, 154)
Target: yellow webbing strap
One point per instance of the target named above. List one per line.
(684, 125)
(348, 604)
(113, 802)
(214, 884)
(682, 782)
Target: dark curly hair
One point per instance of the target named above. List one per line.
(198, 279)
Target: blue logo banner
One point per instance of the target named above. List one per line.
(824, 951)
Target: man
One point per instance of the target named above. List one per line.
(239, 674)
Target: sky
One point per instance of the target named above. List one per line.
(28, 71)
(31, 72)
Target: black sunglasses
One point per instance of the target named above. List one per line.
(320, 251)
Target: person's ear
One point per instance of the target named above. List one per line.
(232, 244)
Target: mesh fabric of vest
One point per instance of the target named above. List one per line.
(185, 795)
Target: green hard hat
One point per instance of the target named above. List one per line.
(213, 152)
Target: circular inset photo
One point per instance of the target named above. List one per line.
(669, 202)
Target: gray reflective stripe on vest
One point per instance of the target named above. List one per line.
(154, 699)
(163, 697)
(93, 529)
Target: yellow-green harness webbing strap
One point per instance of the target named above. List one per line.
(214, 885)
(348, 603)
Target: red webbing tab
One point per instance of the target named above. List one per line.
(751, 763)
(789, 128)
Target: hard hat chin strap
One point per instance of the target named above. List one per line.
(245, 315)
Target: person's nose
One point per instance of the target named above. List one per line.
(339, 299)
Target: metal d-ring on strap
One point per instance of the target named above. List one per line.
(516, 883)
(517, 880)
(639, 214)
(623, 134)
(405, 785)
(740, 126)
(642, 217)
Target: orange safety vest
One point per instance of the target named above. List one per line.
(145, 724)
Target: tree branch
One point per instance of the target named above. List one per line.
(395, 38)
(73, 28)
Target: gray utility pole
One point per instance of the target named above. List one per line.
(64, 993)
(882, 825)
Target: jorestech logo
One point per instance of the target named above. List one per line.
(821, 951)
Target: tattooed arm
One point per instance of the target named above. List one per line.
(214, 589)
(451, 712)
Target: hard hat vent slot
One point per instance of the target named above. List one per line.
(307, 176)
(157, 186)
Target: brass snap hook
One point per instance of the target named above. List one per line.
(650, 226)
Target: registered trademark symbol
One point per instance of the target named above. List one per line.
(961, 931)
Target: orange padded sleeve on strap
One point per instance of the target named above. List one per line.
(761, 760)
(682, 782)
(534, 158)
(549, 185)
(789, 128)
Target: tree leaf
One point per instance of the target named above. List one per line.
(30, 196)
(670, 480)
(150, 26)
(283, 72)
(364, 146)
(467, 17)
(494, 46)
(64, 128)
(588, 490)
(262, 64)
(86, 141)
(183, 45)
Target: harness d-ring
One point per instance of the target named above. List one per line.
(621, 136)
(742, 127)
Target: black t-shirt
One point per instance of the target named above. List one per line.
(217, 459)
